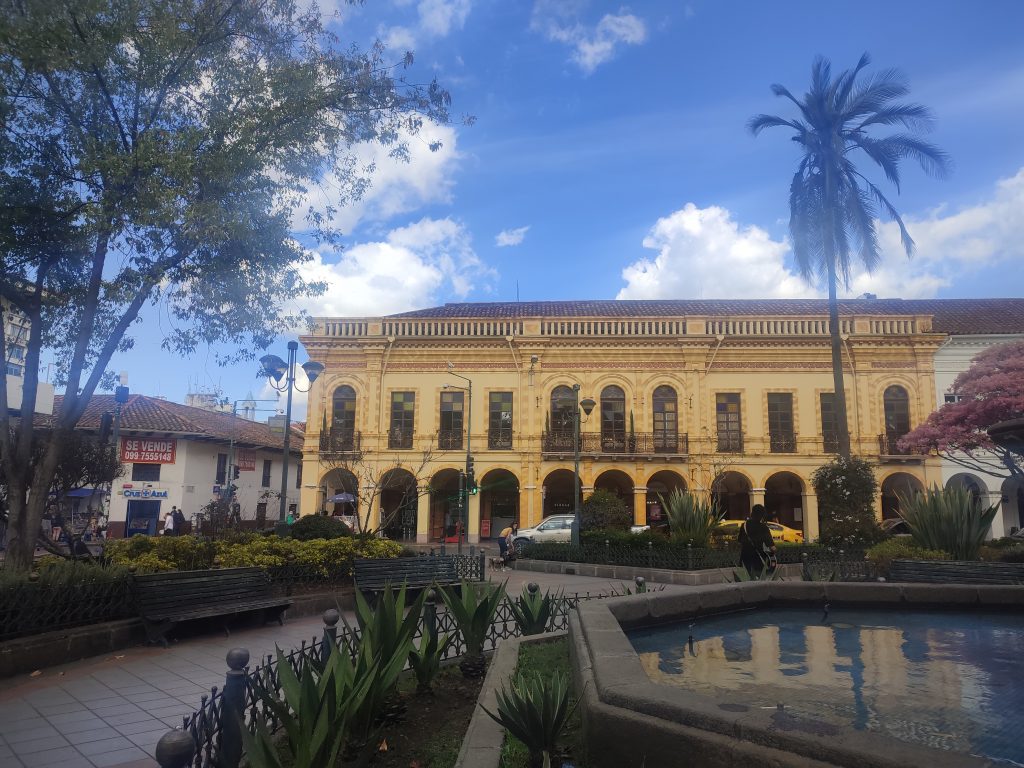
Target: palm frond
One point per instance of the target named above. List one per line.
(905, 238)
(933, 161)
(916, 117)
(758, 123)
(885, 153)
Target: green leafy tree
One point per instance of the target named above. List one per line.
(833, 206)
(603, 509)
(846, 490)
(161, 152)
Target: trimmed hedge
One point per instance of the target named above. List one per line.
(309, 527)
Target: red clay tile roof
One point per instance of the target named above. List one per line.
(151, 414)
(952, 316)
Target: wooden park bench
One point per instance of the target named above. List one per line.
(374, 574)
(167, 599)
(956, 572)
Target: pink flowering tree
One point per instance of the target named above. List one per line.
(990, 391)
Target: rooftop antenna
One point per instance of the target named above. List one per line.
(517, 291)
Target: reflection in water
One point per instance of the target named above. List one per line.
(948, 680)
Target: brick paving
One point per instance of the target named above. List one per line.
(110, 711)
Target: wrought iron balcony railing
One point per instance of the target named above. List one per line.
(450, 440)
(618, 443)
(782, 442)
(887, 445)
(830, 442)
(730, 442)
(399, 439)
(340, 441)
(500, 439)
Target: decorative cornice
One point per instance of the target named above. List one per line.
(893, 363)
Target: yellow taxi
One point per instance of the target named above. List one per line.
(730, 529)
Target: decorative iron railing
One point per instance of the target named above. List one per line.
(888, 445)
(617, 443)
(782, 442)
(830, 442)
(30, 609)
(449, 440)
(400, 439)
(340, 441)
(730, 442)
(500, 439)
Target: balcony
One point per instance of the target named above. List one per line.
(340, 441)
(449, 440)
(400, 439)
(782, 442)
(616, 444)
(500, 439)
(830, 442)
(730, 442)
(889, 451)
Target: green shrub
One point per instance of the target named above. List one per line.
(622, 539)
(53, 571)
(1013, 554)
(473, 606)
(846, 490)
(161, 553)
(310, 527)
(690, 518)
(900, 548)
(533, 611)
(948, 519)
(603, 509)
(535, 709)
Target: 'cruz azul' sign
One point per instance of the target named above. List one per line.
(145, 493)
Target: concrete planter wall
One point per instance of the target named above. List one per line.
(627, 574)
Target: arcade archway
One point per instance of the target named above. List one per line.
(731, 492)
(894, 486)
(783, 496)
(398, 502)
(659, 486)
(340, 494)
(499, 502)
(445, 511)
(557, 492)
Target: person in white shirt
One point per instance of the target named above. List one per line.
(169, 524)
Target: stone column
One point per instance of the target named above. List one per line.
(812, 529)
(528, 494)
(473, 523)
(756, 497)
(423, 517)
(640, 505)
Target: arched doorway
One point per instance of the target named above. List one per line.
(558, 492)
(445, 510)
(499, 502)
(1012, 505)
(398, 502)
(783, 496)
(973, 485)
(894, 486)
(617, 482)
(896, 405)
(340, 490)
(659, 486)
(731, 492)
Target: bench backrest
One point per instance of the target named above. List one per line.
(164, 592)
(374, 573)
(954, 571)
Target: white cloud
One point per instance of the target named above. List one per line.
(509, 237)
(396, 186)
(435, 19)
(592, 45)
(409, 269)
(704, 253)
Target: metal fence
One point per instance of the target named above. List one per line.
(30, 609)
(214, 730)
(677, 557)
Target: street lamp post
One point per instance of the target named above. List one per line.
(587, 406)
(467, 474)
(274, 368)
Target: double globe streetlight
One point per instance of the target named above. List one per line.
(276, 369)
(586, 406)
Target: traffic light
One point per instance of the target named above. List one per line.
(471, 486)
(106, 424)
(235, 472)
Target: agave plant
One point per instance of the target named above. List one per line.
(948, 519)
(691, 519)
(316, 711)
(743, 574)
(532, 611)
(534, 708)
(473, 606)
(426, 659)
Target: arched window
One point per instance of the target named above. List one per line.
(666, 420)
(896, 404)
(343, 423)
(561, 410)
(613, 419)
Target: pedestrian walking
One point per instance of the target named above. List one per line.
(169, 522)
(179, 521)
(757, 549)
(57, 526)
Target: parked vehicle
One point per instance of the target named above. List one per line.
(728, 530)
(557, 528)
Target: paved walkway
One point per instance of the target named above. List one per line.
(111, 710)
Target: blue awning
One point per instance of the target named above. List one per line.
(83, 493)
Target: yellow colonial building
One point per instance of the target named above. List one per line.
(733, 397)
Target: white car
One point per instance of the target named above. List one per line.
(557, 528)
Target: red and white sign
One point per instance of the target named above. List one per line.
(246, 462)
(148, 451)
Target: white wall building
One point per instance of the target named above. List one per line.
(179, 455)
(16, 333)
(952, 359)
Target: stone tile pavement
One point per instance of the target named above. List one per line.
(110, 711)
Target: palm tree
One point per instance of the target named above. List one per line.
(833, 207)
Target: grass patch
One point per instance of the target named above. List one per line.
(547, 658)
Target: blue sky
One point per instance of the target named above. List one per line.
(610, 158)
